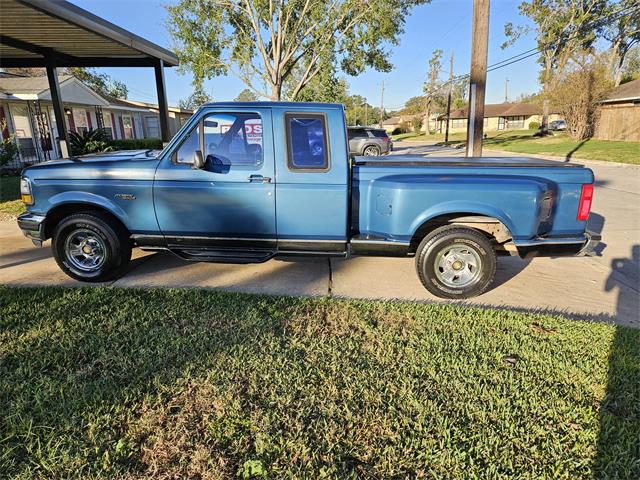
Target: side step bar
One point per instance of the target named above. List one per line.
(223, 255)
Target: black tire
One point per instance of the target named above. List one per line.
(471, 245)
(374, 151)
(107, 234)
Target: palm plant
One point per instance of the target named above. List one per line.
(89, 141)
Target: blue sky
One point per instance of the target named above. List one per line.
(444, 24)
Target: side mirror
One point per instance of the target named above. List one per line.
(198, 161)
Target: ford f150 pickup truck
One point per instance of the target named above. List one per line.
(245, 182)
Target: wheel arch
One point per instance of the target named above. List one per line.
(491, 226)
(62, 210)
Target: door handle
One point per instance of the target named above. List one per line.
(259, 178)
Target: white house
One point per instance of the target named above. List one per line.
(25, 105)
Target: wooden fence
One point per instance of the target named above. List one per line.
(619, 122)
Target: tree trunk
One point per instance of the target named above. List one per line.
(276, 92)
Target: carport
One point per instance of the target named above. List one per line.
(56, 33)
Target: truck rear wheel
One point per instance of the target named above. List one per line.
(91, 247)
(456, 262)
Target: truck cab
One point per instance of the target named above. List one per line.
(244, 182)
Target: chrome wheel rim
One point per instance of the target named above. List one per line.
(84, 250)
(371, 152)
(458, 265)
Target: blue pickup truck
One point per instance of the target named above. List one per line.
(245, 182)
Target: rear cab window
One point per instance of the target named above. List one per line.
(307, 143)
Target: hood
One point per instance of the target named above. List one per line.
(126, 164)
(106, 158)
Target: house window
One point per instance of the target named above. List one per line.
(306, 141)
(107, 125)
(80, 120)
(153, 127)
(515, 122)
(458, 123)
(127, 126)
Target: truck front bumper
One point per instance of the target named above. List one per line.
(32, 225)
(587, 245)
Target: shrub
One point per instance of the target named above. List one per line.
(89, 141)
(534, 125)
(8, 147)
(137, 144)
(404, 127)
(416, 123)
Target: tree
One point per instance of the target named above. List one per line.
(576, 91)
(360, 112)
(432, 86)
(631, 65)
(324, 87)
(246, 95)
(622, 32)
(100, 82)
(562, 27)
(264, 42)
(197, 98)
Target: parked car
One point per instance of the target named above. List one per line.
(245, 182)
(558, 125)
(369, 142)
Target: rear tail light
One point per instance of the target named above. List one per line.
(586, 197)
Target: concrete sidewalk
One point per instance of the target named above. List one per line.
(600, 288)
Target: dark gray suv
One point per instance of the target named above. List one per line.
(367, 141)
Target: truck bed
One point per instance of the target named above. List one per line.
(419, 161)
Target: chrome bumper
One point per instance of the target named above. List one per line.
(584, 246)
(32, 225)
(590, 248)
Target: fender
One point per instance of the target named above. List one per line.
(75, 196)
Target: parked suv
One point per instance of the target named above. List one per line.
(370, 142)
(558, 125)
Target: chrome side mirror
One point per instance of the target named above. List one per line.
(198, 161)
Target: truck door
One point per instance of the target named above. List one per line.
(312, 178)
(230, 202)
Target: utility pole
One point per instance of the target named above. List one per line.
(366, 113)
(478, 78)
(382, 104)
(446, 132)
(506, 90)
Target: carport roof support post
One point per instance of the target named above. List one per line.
(163, 109)
(58, 109)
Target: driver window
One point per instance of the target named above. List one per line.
(233, 140)
(187, 150)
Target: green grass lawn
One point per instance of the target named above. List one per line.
(103, 382)
(10, 204)
(523, 141)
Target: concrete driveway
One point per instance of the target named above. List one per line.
(600, 288)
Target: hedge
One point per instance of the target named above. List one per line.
(136, 144)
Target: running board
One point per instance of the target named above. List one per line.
(223, 255)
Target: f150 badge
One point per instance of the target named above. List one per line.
(125, 196)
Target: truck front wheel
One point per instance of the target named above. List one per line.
(456, 262)
(91, 247)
